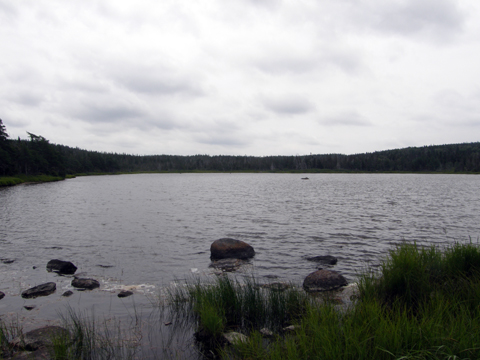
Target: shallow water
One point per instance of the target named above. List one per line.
(145, 231)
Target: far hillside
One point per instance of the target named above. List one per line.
(37, 156)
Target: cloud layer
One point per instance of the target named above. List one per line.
(241, 77)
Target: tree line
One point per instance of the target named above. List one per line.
(37, 155)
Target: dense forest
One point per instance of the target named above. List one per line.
(38, 156)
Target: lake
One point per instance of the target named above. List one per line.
(146, 231)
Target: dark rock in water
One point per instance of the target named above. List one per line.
(230, 248)
(323, 280)
(2, 295)
(38, 338)
(104, 266)
(124, 293)
(29, 307)
(61, 267)
(68, 293)
(305, 178)
(324, 259)
(8, 261)
(227, 265)
(40, 290)
(88, 284)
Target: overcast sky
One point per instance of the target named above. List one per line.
(254, 77)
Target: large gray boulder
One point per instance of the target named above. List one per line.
(230, 248)
(324, 280)
(61, 267)
(86, 284)
(40, 290)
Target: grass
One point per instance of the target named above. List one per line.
(19, 179)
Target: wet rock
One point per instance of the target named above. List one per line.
(124, 293)
(40, 290)
(290, 328)
(29, 307)
(230, 248)
(67, 293)
(2, 295)
(39, 338)
(8, 261)
(227, 265)
(61, 267)
(40, 354)
(234, 338)
(278, 286)
(266, 333)
(88, 284)
(324, 280)
(323, 259)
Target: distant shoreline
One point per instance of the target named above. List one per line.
(34, 179)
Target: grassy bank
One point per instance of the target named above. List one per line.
(20, 179)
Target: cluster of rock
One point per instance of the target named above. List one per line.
(229, 254)
(62, 267)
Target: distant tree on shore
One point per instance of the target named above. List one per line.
(3, 131)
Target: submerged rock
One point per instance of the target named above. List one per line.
(324, 280)
(61, 267)
(67, 293)
(227, 265)
(230, 248)
(88, 284)
(324, 259)
(40, 290)
(38, 338)
(124, 293)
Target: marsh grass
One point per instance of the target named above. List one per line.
(226, 304)
(424, 303)
(19, 179)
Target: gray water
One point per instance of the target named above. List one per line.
(145, 231)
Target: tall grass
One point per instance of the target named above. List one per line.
(424, 303)
(242, 306)
(19, 179)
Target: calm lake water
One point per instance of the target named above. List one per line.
(151, 229)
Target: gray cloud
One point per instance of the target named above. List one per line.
(107, 113)
(288, 104)
(349, 118)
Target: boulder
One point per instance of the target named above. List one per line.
(324, 259)
(40, 290)
(124, 293)
(67, 293)
(230, 248)
(88, 284)
(324, 280)
(2, 295)
(61, 267)
(38, 338)
(234, 338)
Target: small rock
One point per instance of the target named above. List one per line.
(38, 338)
(278, 286)
(233, 337)
(40, 290)
(290, 328)
(88, 284)
(230, 248)
(61, 267)
(324, 259)
(323, 280)
(8, 261)
(2, 295)
(29, 307)
(266, 332)
(68, 293)
(124, 293)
